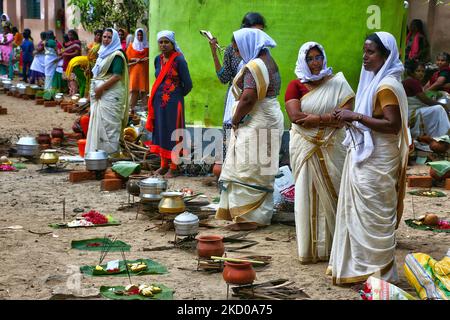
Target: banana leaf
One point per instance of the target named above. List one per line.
(152, 268)
(62, 225)
(109, 292)
(410, 223)
(99, 244)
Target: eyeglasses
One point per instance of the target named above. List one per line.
(316, 58)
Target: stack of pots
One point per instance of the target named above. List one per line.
(57, 136)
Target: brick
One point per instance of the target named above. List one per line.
(447, 184)
(111, 184)
(39, 101)
(79, 176)
(3, 110)
(420, 181)
(50, 104)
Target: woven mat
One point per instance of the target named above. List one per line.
(152, 268)
(410, 223)
(99, 244)
(108, 292)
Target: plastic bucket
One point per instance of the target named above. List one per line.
(81, 147)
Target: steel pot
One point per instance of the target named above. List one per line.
(21, 89)
(96, 160)
(150, 189)
(49, 156)
(27, 146)
(186, 224)
(7, 84)
(12, 88)
(171, 202)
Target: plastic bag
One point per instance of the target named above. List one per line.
(377, 289)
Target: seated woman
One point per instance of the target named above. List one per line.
(440, 80)
(425, 116)
(315, 147)
(252, 159)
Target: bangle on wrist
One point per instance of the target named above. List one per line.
(359, 117)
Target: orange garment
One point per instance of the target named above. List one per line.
(18, 38)
(138, 71)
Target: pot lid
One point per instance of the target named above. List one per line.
(172, 194)
(96, 155)
(152, 181)
(27, 141)
(186, 217)
(49, 151)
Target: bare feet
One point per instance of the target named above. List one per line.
(242, 226)
(160, 172)
(171, 174)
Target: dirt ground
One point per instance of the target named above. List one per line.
(42, 266)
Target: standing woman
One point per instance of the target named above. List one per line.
(226, 72)
(137, 55)
(109, 96)
(370, 203)
(6, 50)
(315, 148)
(166, 104)
(38, 65)
(52, 58)
(249, 170)
(27, 48)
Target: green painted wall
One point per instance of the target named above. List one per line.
(339, 26)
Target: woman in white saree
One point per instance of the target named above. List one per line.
(315, 147)
(109, 96)
(370, 201)
(251, 162)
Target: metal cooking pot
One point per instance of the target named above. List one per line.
(49, 156)
(133, 184)
(171, 202)
(21, 89)
(12, 88)
(186, 224)
(7, 84)
(150, 189)
(96, 160)
(27, 146)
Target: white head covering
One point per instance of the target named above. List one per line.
(105, 51)
(302, 69)
(367, 88)
(6, 16)
(171, 36)
(140, 45)
(250, 41)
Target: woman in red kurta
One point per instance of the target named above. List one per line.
(137, 55)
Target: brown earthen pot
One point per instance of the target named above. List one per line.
(239, 273)
(44, 138)
(56, 142)
(57, 133)
(210, 245)
(217, 169)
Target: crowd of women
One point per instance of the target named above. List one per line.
(348, 151)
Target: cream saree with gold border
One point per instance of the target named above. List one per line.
(109, 114)
(370, 205)
(317, 157)
(251, 163)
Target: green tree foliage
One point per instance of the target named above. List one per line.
(99, 14)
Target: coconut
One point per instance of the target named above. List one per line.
(431, 219)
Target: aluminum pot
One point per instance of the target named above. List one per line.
(96, 160)
(7, 84)
(186, 224)
(12, 88)
(21, 89)
(150, 189)
(27, 146)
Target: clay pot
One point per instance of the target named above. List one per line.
(210, 245)
(44, 138)
(239, 273)
(57, 133)
(439, 146)
(217, 169)
(56, 142)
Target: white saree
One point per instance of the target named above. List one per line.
(251, 162)
(109, 114)
(317, 156)
(371, 204)
(51, 60)
(427, 120)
